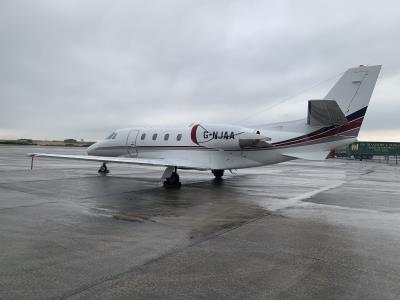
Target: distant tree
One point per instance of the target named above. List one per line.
(70, 141)
(26, 141)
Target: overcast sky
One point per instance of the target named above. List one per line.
(79, 69)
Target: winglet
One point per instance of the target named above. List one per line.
(33, 156)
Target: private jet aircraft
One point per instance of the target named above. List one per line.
(330, 123)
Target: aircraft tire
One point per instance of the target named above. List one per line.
(103, 169)
(173, 181)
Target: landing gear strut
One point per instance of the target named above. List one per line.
(103, 169)
(218, 173)
(173, 180)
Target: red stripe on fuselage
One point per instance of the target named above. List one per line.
(345, 127)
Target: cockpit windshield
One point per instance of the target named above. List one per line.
(112, 136)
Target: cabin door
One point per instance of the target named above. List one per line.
(131, 143)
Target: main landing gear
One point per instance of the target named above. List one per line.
(103, 169)
(218, 174)
(171, 178)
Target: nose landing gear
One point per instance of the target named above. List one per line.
(103, 169)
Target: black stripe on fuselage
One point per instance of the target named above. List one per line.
(357, 114)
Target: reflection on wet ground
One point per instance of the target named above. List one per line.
(326, 229)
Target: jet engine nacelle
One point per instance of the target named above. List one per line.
(226, 137)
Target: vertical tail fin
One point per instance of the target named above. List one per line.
(336, 122)
(354, 89)
(352, 93)
(340, 120)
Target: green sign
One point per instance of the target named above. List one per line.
(375, 148)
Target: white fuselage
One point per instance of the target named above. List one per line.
(217, 148)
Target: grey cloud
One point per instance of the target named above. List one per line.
(83, 68)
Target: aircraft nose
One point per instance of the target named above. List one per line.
(90, 149)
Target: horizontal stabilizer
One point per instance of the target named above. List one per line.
(317, 155)
(324, 113)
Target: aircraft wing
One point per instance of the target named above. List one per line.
(123, 160)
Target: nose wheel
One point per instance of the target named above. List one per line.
(172, 181)
(103, 169)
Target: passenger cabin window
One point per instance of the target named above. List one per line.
(166, 137)
(143, 136)
(154, 136)
(179, 137)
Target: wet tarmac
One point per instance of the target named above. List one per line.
(297, 230)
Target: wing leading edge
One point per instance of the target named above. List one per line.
(160, 162)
